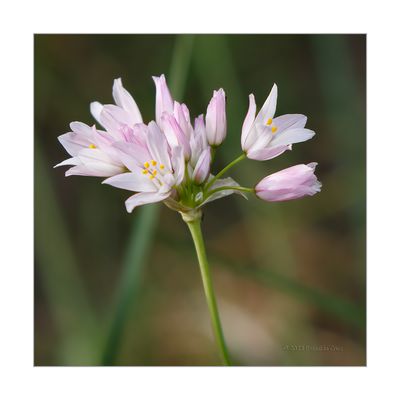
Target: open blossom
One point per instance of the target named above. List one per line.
(265, 136)
(155, 169)
(289, 184)
(91, 149)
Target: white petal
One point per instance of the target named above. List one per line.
(95, 109)
(259, 137)
(114, 117)
(287, 121)
(124, 100)
(144, 198)
(268, 109)
(136, 182)
(267, 153)
(69, 161)
(94, 169)
(290, 136)
(81, 128)
(73, 142)
(94, 155)
(132, 155)
(248, 121)
(157, 145)
(178, 164)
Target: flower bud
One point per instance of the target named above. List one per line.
(202, 169)
(174, 134)
(216, 119)
(289, 184)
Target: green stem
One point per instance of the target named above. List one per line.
(195, 230)
(228, 167)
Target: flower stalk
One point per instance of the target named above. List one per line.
(227, 168)
(194, 224)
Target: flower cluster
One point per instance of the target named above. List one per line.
(169, 159)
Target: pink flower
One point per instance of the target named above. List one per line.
(155, 170)
(289, 184)
(265, 137)
(170, 161)
(216, 119)
(91, 151)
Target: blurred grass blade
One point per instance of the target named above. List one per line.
(62, 284)
(138, 248)
(180, 65)
(144, 223)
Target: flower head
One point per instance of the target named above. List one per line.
(264, 136)
(170, 160)
(289, 184)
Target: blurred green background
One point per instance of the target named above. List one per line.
(113, 288)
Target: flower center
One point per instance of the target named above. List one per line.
(92, 146)
(154, 171)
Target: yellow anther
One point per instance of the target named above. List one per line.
(146, 164)
(153, 163)
(145, 171)
(92, 146)
(274, 129)
(269, 122)
(151, 176)
(162, 166)
(154, 173)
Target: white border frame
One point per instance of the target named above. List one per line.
(19, 378)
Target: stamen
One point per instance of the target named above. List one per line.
(162, 166)
(269, 122)
(154, 173)
(145, 171)
(146, 164)
(274, 129)
(92, 146)
(151, 176)
(153, 163)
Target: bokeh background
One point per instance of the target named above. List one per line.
(113, 288)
